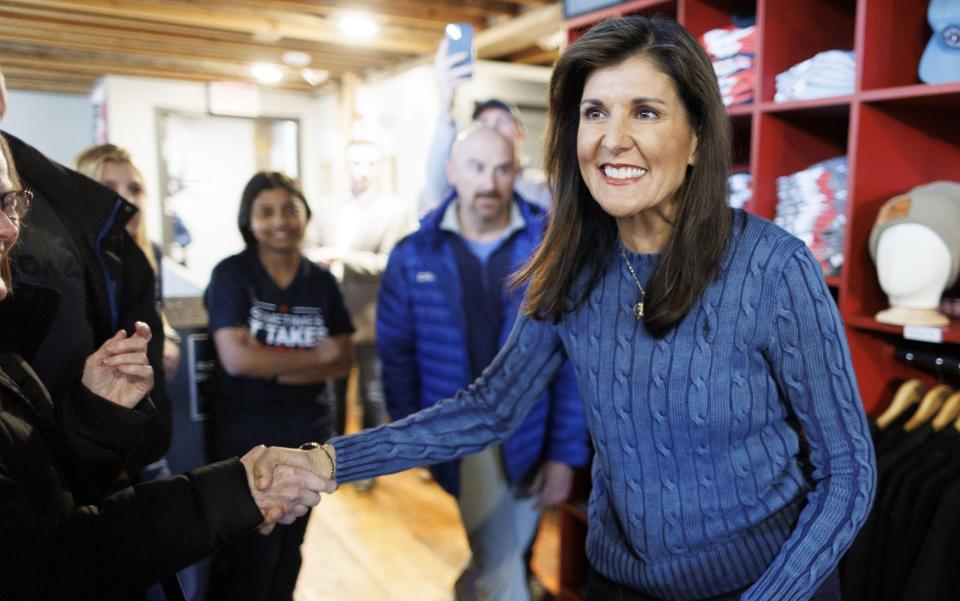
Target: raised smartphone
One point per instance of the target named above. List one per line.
(460, 39)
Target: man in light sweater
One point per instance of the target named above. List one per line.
(357, 243)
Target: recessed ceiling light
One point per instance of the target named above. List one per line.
(266, 73)
(358, 25)
(296, 58)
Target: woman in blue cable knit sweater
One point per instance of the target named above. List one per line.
(705, 342)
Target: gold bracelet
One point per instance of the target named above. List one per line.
(333, 464)
(309, 446)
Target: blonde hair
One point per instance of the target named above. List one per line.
(92, 161)
(5, 272)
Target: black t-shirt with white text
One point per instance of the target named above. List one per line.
(251, 411)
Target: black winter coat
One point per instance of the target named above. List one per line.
(61, 538)
(74, 241)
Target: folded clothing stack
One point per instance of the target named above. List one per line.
(811, 205)
(733, 50)
(739, 189)
(829, 73)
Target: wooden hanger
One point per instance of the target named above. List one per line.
(909, 393)
(948, 413)
(929, 406)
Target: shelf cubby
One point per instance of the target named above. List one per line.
(891, 37)
(797, 30)
(700, 16)
(790, 141)
(900, 143)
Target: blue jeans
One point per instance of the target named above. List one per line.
(600, 588)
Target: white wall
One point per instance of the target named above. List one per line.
(58, 125)
(132, 105)
(402, 110)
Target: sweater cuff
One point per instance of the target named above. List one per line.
(357, 457)
(225, 496)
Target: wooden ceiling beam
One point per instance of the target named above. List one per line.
(32, 80)
(97, 69)
(160, 47)
(52, 86)
(304, 27)
(443, 9)
(432, 16)
(521, 32)
(177, 36)
(534, 56)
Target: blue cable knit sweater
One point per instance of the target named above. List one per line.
(699, 484)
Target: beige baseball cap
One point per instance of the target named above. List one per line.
(935, 205)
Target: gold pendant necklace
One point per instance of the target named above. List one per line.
(637, 308)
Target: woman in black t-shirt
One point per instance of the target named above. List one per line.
(280, 329)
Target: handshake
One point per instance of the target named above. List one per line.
(286, 483)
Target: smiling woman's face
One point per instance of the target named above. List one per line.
(9, 224)
(634, 140)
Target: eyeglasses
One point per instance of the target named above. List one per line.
(15, 203)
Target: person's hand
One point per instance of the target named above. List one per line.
(552, 484)
(449, 75)
(291, 488)
(119, 370)
(317, 460)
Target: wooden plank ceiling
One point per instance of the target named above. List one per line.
(66, 45)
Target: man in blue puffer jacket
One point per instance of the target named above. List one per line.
(444, 311)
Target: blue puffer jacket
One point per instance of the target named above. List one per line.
(422, 341)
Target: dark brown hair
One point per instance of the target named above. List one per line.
(580, 233)
(264, 180)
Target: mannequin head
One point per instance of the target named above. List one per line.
(916, 246)
(913, 266)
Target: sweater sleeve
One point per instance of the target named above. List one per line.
(808, 354)
(486, 412)
(126, 541)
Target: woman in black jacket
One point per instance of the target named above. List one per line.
(62, 538)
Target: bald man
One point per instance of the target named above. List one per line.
(444, 311)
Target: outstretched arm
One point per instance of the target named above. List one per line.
(151, 529)
(486, 412)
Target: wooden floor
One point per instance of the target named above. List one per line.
(402, 541)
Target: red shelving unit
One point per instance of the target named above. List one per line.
(896, 132)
